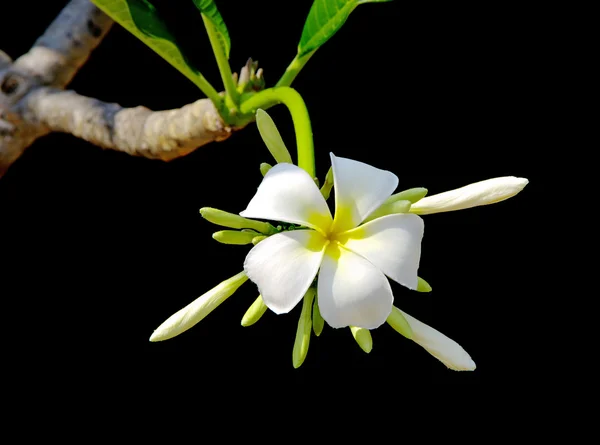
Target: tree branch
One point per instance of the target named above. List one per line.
(33, 102)
(52, 60)
(138, 131)
(66, 45)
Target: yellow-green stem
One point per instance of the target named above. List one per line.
(222, 62)
(297, 108)
(293, 70)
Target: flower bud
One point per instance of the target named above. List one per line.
(399, 323)
(317, 320)
(402, 206)
(264, 168)
(422, 285)
(363, 338)
(271, 137)
(413, 195)
(304, 328)
(254, 312)
(226, 219)
(481, 193)
(194, 312)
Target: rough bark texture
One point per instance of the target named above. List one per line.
(33, 102)
(138, 131)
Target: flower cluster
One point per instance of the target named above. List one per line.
(337, 265)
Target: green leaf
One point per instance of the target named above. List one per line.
(141, 18)
(209, 9)
(324, 20)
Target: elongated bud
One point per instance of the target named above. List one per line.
(328, 184)
(363, 338)
(413, 195)
(481, 193)
(264, 168)
(402, 206)
(303, 332)
(422, 285)
(226, 219)
(258, 239)
(194, 312)
(234, 237)
(399, 323)
(318, 322)
(271, 137)
(254, 312)
(440, 346)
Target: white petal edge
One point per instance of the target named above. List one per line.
(480, 193)
(359, 189)
(283, 266)
(287, 193)
(352, 291)
(391, 243)
(441, 347)
(194, 312)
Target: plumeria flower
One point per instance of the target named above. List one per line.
(349, 260)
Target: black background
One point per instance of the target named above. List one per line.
(99, 247)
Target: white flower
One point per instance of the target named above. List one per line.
(485, 192)
(351, 260)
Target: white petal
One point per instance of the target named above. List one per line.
(480, 193)
(287, 193)
(351, 291)
(283, 266)
(441, 347)
(392, 243)
(359, 189)
(194, 312)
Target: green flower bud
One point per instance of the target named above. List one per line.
(258, 239)
(254, 312)
(399, 323)
(271, 137)
(318, 322)
(226, 219)
(402, 206)
(328, 184)
(264, 168)
(303, 332)
(412, 195)
(234, 237)
(423, 286)
(363, 338)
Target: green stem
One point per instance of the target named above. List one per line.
(295, 104)
(207, 89)
(293, 69)
(222, 62)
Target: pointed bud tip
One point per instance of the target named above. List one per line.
(423, 286)
(155, 337)
(522, 182)
(469, 365)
